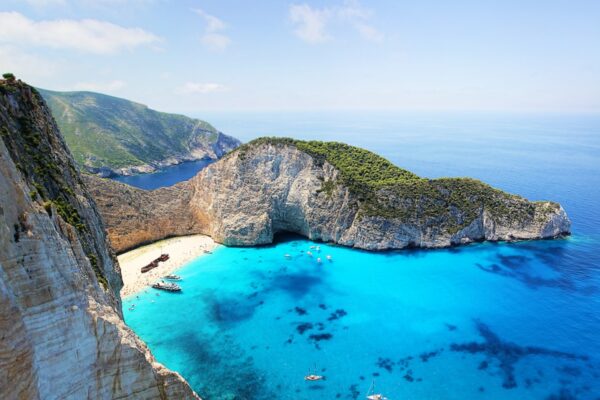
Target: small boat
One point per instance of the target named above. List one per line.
(172, 277)
(371, 395)
(309, 253)
(168, 287)
(319, 260)
(287, 256)
(207, 251)
(328, 257)
(313, 377)
(318, 248)
(312, 247)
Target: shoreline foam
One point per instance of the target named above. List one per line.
(181, 250)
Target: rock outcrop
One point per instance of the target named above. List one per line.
(335, 193)
(63, 335)
(136, 217)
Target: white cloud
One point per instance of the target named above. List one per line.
(311, 23)
(201, 88)
(213, 36)
(368, 32)
(215, 41)
(111, 86)
(87, 35)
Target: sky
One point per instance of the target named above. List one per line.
(189, 56)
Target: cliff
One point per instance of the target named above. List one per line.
(135, 217)
(109, 135)
(63, 335)
(335, 193)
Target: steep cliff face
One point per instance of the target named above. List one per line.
(135, 216)
(63, 336)
(330, 192)
(337, 193)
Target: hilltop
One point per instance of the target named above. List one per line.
(110, 135)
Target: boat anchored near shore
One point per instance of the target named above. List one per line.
(168, 287)
(312, 376)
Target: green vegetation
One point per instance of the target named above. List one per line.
(106, 131)
(97, 271)
(9, 76)
(383, 189)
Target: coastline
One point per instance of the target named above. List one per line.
(181, 250)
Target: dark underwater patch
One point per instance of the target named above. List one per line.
(507, 354)
(385, 363)
(317, 337)
(300, 311)
(231, 310)
(513, 261)
(427, 355)
(297, 285)
(303, 327)
(213, 357)
(339, 313)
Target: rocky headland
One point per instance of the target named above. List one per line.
(112, 136)
(63, 334)
(324, 191)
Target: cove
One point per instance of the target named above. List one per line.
(487, 321)
(167, 176)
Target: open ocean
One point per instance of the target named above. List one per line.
(485, 321)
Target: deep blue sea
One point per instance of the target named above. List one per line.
(485, 321)
(165, 177)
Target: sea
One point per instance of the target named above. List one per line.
(483, 321)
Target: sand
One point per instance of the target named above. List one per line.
(181, 250)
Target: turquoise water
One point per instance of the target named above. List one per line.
(486, 321)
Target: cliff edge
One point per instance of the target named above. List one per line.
(63, 335)
(331, 192)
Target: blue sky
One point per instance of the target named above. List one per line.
(189, 56)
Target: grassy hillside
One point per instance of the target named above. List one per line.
(386, 190)
(106, 131)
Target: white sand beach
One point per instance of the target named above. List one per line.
(181, 250)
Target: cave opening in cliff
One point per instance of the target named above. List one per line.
(287, 236)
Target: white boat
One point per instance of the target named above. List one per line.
(318, 248)
(312, 247)
(168, 287)
(287, 256)
(371, 395)
(313, 376)
(319, 260)
(172, 277)
(309, 253)
(328, 257)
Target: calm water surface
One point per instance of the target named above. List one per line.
(487, 321)
(165, 177)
